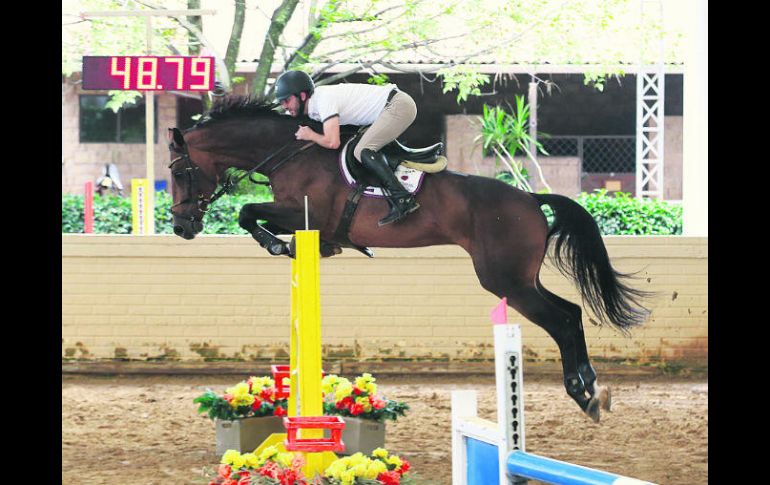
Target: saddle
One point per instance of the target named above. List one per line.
(428, 159)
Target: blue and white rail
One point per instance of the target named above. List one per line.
(488, 453)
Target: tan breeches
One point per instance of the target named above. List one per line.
(396, 117)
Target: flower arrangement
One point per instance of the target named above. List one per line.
(254, 397)
(358, 399)
(356, 469)
(272, 467)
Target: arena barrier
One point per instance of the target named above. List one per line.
(486, 452)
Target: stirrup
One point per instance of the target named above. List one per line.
(399, 211)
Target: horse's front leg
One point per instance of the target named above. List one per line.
(288, 219)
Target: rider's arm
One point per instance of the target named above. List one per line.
(331, 136)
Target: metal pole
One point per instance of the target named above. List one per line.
(533, 118)
(149, 136)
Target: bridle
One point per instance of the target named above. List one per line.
(191, 170)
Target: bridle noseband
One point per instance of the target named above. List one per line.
(190, 169)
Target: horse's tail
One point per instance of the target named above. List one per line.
(580, 254)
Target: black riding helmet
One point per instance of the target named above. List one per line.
(293, 82)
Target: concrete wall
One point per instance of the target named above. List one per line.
(160, 297)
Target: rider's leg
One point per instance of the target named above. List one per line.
(396, 117)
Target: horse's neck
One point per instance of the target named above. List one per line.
(241, 145)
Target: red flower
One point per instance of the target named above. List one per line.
(269, 469)
(279, 411)
(405, 466)
(289, 477)
(357, 391)
(356, 409)
(224, 471)
(377, 403)
(228, 397)
(345, 403)
(389, 478)
(267, 394)
(257, 404)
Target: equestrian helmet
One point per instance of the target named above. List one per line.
(293, 82)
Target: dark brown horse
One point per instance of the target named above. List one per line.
(502, 228)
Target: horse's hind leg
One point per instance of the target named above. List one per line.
(523, 296)
(585, 369)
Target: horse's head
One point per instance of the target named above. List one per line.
(191, 188)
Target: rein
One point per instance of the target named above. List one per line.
(231, 184)
(204, 205)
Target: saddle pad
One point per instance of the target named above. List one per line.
(410, 178)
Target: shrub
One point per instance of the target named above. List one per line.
(112, 214)
(626, 215)
(620, 214)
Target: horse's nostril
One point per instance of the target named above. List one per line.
(178, 230)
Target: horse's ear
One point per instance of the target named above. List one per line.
(175, 136)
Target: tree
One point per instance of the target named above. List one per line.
(369, 35)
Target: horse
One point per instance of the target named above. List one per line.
(502, 228)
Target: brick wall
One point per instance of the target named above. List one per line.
(82, 162)
(160, 297)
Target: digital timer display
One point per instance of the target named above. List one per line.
(148, 73)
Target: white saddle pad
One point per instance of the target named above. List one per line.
(410, 178)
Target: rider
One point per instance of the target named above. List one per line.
(388, 111)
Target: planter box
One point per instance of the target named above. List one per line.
(244, 435)
(362, 435)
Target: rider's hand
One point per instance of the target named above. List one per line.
(305, 133)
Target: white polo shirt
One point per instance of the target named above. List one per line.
(355, 104)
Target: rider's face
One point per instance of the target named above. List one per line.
(291, 105)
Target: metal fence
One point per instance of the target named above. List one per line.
(597, 154)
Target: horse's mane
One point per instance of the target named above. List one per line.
(233, 107)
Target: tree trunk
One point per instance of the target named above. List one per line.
(234, 44)
(281, 17)
(194, 48)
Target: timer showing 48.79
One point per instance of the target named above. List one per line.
(148, 73)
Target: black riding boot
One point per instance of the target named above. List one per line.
(401, 201)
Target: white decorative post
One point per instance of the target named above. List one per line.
(650, 96)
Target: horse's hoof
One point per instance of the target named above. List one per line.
(592, 409)
(329, 250)
(605, 398)
(277, 249)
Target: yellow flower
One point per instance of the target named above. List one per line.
(344, 389)
(347, 477)
(284, 459)
(259, 383)
(251, 460)
(267, 454)
(380, 453)
(328, 383)
(240, 388)
(375, 468)
(394, 460)
(366, 383)
(364, 401)
(229, 457)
